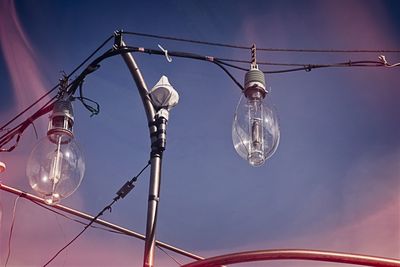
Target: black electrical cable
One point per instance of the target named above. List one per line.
(170, 256)
(55, 87)
(276, 63)
(29, 107)
(72, 219)
(187, 40)
(19, 129)
(90, 56)
(329, 50)
(184, 55)
(11, 230)
(126, 188)
(211, 44)
(72, 87)
(335, 65)
(263, 49)
(94, 65)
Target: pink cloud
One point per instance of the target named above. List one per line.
(20, 58)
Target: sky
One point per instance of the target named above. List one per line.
(333, 183)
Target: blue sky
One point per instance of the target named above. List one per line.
(333, 183)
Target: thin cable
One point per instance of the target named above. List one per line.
(11, 230)
(55, 87)
(120, 194)
(262, 49)
(17, 131)
(211, 44)
(186, 40)
(74, 220)
(170, 256)
(90, 56)
(329, 50)
(29, 107)
(335, 65)
(108, 207)
(184, 55)
(229, 74)
(64, 237)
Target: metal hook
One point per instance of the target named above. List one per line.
(169, 59)
(382, 59)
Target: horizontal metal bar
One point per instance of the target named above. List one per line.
(98, 221)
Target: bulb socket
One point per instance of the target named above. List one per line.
(61, 122)
(254, 84)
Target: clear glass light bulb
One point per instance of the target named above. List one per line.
(255, 129)
(56, 165)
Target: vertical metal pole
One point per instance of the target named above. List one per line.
(152, 209)
(156, 160)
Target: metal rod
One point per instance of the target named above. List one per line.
(156, 160)
(98, 221)
(295, 254)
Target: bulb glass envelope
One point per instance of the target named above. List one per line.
(255, 130)
(56, 165)
(55, 170)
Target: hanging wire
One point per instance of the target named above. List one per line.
(73, 219)
(64, 238)
(187, 40)
(90, 56)
(126, 188)
(169, 255)
(16, 132)
(302, 67)
(56, 86)
(164, 37)
(11, 229)
(28, 108)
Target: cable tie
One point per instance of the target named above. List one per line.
(169, 59)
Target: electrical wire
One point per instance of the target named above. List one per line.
(164, 37)
(75, 220)
(28, 108)
(304, 66)
(64, 238)
(169, 255)
(221, 63)
(90, 56)
(126, 188)
(19, 129)
(55, 87)
(11, 229)
(186, 40)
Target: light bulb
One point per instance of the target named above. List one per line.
(56, 165)
(255, 129)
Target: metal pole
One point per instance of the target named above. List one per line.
(156, 160)
(98, 221)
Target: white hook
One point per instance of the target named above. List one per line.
(169, 59)
(382, 58)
